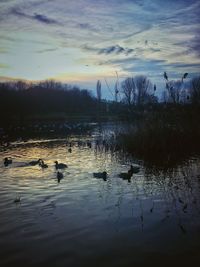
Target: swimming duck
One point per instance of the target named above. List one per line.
(43, 165)
(7, 161)
(60, 165)
(17, 200)
(35, 162)
(70, 150)
(133, 170)
(128, 175)
(125, 176)
(89, 144)
(101, 175)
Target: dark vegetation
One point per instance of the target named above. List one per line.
(22, 99)
(165, 137)
(48, 99)
(164, 132)
(49, 108)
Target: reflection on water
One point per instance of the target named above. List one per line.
(83, 220)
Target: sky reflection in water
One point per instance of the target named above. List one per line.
(83, 220)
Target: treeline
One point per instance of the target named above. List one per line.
(20, 99)
(43, 97)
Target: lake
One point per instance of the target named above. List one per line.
(80, 220)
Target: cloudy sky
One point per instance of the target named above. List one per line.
(80, 41)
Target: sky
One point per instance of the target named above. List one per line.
(82, 41)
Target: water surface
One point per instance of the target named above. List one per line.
(84, 221)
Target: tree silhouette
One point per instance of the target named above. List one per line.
(138, 90)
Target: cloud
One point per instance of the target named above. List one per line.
(194, 45)
(36, 16)
(47, 50)
(86, 26)
(183, 65)
(114, 49)
(44, 19)
(107, 35)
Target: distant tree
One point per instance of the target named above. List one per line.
(99, 91)
(138, 90)
(128, 90)
(195, 90)
(19, 98)
(50, 84)
(144, 89)
(21, 85)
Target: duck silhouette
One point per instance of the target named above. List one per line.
(35, 162)
(133, 169)
(7, 161)
(129, 174)
(43, 165)
(125, 176)
(60, 165)
(17, 200)
(101, 175)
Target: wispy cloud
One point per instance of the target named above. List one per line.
(46, 50)
(114, 49)
(36, 16)
(44, 19)
(117, 49)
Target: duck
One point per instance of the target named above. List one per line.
(128, 175)
(35, 162)
(59, 176)
(133, 169)
(89, 144)
(43, 165)
(125, 176)
(17, 200)
(7, 161)
(70, 150)
(60, 165)
(101, 175)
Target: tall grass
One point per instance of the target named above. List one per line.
(164, 138)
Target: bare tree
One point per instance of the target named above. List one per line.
(128, 90)
(21, 85)
(138, 90)
(195, 90)
(144, 89)
(50, 84)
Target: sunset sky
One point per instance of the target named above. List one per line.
(82, 41)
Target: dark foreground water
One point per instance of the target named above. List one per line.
(82, 221)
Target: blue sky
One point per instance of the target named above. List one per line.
(82, 41)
